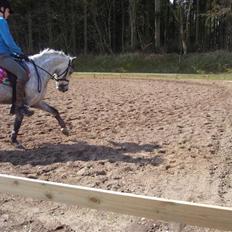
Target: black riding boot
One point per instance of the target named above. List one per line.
(20, 103)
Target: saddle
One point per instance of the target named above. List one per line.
(9, 79)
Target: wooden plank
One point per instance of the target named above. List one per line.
(124, 203)
(110, 75)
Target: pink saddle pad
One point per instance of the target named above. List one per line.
(4, 77)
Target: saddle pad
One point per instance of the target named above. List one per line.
(4, 77)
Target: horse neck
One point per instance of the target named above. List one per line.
(49, 64)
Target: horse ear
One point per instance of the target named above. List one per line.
(73, 58)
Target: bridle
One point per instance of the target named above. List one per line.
(54, 77)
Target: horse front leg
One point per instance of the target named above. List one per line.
(17, 124)
(47, 108)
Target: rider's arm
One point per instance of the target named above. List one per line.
(7, 37)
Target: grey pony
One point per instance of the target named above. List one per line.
(51, 64)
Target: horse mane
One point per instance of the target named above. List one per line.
(48, 51)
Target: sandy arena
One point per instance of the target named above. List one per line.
(169, 139)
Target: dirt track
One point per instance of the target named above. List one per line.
(170, 139)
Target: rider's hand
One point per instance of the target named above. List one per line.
(15, 55)
(24, 57)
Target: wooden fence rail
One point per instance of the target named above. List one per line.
(124, 203)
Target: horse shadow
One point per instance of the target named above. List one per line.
(83, 151)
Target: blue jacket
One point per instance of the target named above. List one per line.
(7, 43)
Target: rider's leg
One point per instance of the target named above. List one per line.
(12, 66)
(20, 97)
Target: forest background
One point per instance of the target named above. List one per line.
(130, 35)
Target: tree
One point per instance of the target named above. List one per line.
(132, 13)
(110, 26)
(157, 24)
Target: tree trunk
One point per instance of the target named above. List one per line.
(197, 24)
(100, 41)
(73, 27)
(132, 16)
(114, 27)
(30, 37)
(182, 36)
(187, 30)
(49, 24)
(85, 27)
(123, 26)
(157, 25)
(108, 27)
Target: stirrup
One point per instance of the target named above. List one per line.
(24, 110)
(13, 109)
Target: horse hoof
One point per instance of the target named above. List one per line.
(65, 131)
(18, 145)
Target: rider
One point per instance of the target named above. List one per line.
(8, 49)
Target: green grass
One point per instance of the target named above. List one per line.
(195, 63)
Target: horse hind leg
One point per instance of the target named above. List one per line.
(17, 124)
(5, 94)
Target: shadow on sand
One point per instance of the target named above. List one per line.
(82, 151)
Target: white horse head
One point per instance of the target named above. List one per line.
(57, 65)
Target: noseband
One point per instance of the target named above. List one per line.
(64, 74)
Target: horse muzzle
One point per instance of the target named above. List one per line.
(62, 88)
